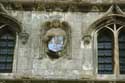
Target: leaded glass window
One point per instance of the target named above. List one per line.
(7, 44)
(122, 51)
(111, 49)
(105, 53)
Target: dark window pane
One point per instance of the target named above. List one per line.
(122, 51)
(2, 66)
(2, 58)
(101, 60)
(10, 44)
(3, 44)
(3, 51)
(9, 66)
(105, 52)
(108, 60)
(9, 59)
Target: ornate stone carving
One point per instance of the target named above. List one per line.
(87, 39)
(24, 37)
(114, 9)
(55, 38)
(114, 14)
(73, 6)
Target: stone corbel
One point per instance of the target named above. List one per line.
(24, 37)
(87, 39)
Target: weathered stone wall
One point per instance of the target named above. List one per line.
(28, 63)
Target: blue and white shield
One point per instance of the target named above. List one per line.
(56, 44)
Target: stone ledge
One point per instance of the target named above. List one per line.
(68, 1)
(57, 81)
(59, 6)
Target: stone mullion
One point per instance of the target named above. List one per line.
(116, 53)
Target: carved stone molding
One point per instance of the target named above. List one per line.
(60, 81)
(26, 81)
(114, 9)
(114, 14)
(75, 6)
(24, 36)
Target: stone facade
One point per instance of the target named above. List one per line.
(82, 16)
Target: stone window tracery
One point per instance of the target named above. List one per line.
(111, 49)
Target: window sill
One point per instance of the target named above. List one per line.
(6, 75)
(106, 77)
(121, 77)
(110, 77)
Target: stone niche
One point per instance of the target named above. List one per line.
(56, 39)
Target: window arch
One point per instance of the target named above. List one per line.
(115, 23)
(9, 29)
(105, 52)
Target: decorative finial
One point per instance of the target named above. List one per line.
(114, 9)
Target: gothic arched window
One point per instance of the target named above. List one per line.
(7, 45)
(111, 49)
(9, 29)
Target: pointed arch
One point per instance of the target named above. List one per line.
(14, 24)
(9, 29)
(105, 20)
(113, 22)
